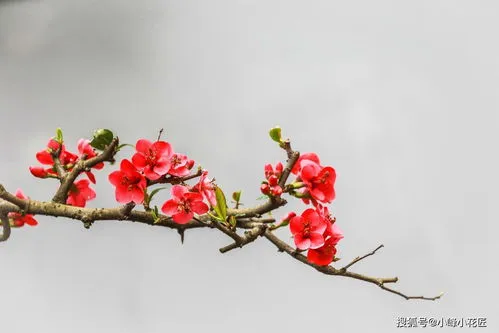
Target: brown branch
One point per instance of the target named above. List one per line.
(248, 218)
(68, 178)
(292, 159)
(329, 270)
(357, 259)
(4, 211)
(174, 179)
(249, 236)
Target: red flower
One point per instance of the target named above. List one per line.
(184, 204)
(80, 193)
(84, 147)
(40, 172)
(180, 165)
(305, 159)
(153, 158)
(333, 233)
(17, 219)
(271, 187)
(319, 182)
(130, 184)
(323, 255)
(269, 170)
(66, 158)
(307, 230)
(206, 187)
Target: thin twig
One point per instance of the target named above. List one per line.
(357, 259)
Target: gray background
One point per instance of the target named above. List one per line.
(400, 97)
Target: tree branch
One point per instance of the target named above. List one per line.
(68, 178)
(329, 270)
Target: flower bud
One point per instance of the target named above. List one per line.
(39, 172)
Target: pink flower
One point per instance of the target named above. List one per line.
(180, 165)
(307, 230)
(80, 193)
(153, 158)
(319, 182)
(206, 187)
(18, 220)
(130, 184)
(184, 204)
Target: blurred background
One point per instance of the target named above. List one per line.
(400, 97)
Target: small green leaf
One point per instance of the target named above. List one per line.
(155, 214)
(153, 192)
(58, 135)
(221, 207)
(284, 223)
(262, 197)
(236, 196)
(275, 134)
(215, 217)
(124, 145)
(102, 138)
(232, 221)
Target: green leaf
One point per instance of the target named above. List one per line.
(232, 221)
(124, 145)
(102, 138)
(155, 214)
(262, 197)
(58, 135)
(236, 196)
(275, 134)
(153, 192)
(221, 207)
(215, 217)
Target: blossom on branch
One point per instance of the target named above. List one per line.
(130, 184)
(153, 158)
(18, 219)
(206, 187)
(183, 204)
(307, 230)
(180, 165)
(80, 193)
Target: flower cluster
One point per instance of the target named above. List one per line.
(270, 186)
(58, 160)
(314, 229)
(153, 162)
(318, 180)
